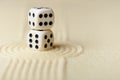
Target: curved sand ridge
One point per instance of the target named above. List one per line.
(26, 64)
(20, 50)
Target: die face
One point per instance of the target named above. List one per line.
(40, 40)
(41, 18)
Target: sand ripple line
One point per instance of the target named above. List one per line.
(19, 50)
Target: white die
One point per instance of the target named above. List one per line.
(40, 40)
(41, 18)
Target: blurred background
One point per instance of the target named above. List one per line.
(82, 21)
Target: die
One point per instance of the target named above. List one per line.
(40, 40)
(40, 18)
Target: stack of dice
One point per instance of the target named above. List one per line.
(40, 37)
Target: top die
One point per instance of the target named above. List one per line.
(41, 18)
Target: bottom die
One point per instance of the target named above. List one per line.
(40, 39)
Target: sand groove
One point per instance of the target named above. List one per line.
(20, 50)
(35, 69)
(26, 64)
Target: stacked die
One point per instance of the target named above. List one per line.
(40, 37)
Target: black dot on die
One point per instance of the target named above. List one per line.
(48, 40)
(39, 8)
(40, 23)
(33, 15)
(50, 23)
(51, 44)
(40, 16)
(36, 41)
(29, 14)
(36, 46)
(33, 24)
(36, 36)
(45, 46)
(50, 15)
(29, 22)
(30, 45)
(30, 35)
(51, 35)
(45, 23)
(45, 15)
(45, 37)
(30, 40)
